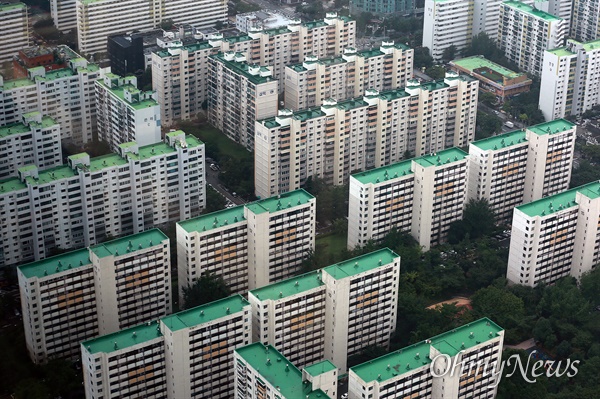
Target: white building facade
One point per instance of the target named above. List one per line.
(14, 20)
(585, 21)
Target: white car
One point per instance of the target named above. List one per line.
(345, 396)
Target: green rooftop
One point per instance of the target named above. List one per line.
(151, 150)
(417, 355)
(132, 243)
(558, 202)
(479, 61)
(13, 129)
(139, 103)
(361, 264)
(50, 175)
(106, 161)
(243, 68)
(123, 339)
(289, 287)
(11, 6)
(443, 157)
(391, 95)
(191, 48)
(273, 367)
(214, 220)
(592, 46)
(56, 264)
(384, 173)
(11, 184)
(531, 11)
(320, 368)
(561, 52)
(205, 313)
(552, 127)
(280, 202)
(57, 74)
(16, 83)
(501, 141)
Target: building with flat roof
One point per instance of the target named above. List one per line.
(180, 72)
(126, 54)
(566, 75)
(526, 32)
(263, 19)
(447, 23)
(102, 289)
(250, 245)
(16, 33)
(125, 113)
(308, 84)
(261, 371)
(585, 21)
(31, 57)
(474, 349)
(493, 78)
(339, 138)
(239, 94)
(97, 19)
(108, 196)
(35, 140)
(382, 7)
(555, 236)
(185, 355)
(64, 14)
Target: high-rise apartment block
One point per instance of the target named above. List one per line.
(310, 83)
(585, 21)
(332, 313)
(555, 236)
(447, 23)
(506, 170)
(522, 166)
(63, 91)
(570, 80)
(97, 19)
(89, 199)
(382, 7)
(125, 113)
(15, 36)
(525, 33)
(64, 14)
(35, 140)
(98, 290)
(185, 355)
(239, 94)
(462, 363)
(261, 371)
(339, 138)
(250, 245)
(180, 73)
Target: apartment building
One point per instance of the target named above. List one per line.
(125, 113)
(250, 245)
(525, 33)
(382, 7)
(493, 78)
(465, 361)
(261, 371)
(35, 140)
(339, 138)
(308, 84)
(14, 20)
(290, 315)
(64, 14)
(585, 21)
(239, 94)
(447, 23)
(507, 170)
(180, 72)
(77, 295)
(89, 199)
(97, 19)
(555, 236)
(63, 91)
(185, 355)
(570, 79)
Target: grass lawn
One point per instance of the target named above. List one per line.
(209, 134)
(332, 244)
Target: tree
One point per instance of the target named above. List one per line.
(422, 58)
(486, 125)
(166, 24)
(590, 286)
(449, 53)
(488, 98)
(500, 305)
(436, 72)
(208, 288)
(478, 221)
(214, 201)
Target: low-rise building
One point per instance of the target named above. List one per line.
(493, 78)
(239, 94)
(569, 80)
(555, 236)
(250, 245)
(35, 140)
(126, 114)
(89, 199)
(75, 296)
(339, 138)
(460, 363)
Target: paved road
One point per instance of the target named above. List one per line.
(212, 179)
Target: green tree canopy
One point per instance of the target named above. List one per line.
(502, 306)
(208, 288)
